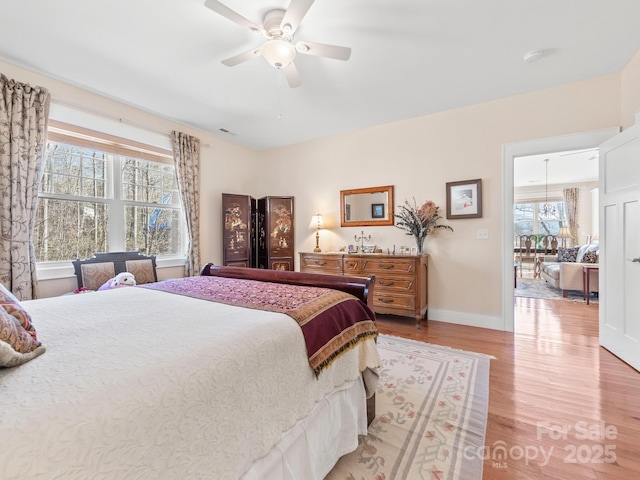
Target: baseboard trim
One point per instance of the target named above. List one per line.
(468, 319)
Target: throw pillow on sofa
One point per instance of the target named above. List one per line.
(590, 257)
(568, 254)
(584, 249)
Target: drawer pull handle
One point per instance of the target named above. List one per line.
(386, 284)
(385, 267)
(385, 300)
(321, 263)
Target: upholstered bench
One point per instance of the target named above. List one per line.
(93, 272)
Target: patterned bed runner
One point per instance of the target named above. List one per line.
(332, 321)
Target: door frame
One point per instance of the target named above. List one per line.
(575, 141)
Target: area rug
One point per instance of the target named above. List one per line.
(431, 416)
(539, 288)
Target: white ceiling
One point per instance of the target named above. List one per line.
(575, 166)
(409, 57)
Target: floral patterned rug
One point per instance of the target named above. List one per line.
(431, 408)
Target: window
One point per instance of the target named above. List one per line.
(93, 200)
(530, 218)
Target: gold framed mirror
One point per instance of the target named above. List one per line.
(367, 207)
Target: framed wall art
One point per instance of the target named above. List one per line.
(464, 199)
(377, 210)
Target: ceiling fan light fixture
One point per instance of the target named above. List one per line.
(278, 52)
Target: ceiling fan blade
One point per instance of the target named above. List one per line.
(291, 73)
(294, 15)
(242, 57)
(235, 17)
(322, 50)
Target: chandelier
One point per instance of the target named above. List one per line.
(547, 210)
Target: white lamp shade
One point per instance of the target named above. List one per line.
(278, 52)
(316, 222)
(564, 233)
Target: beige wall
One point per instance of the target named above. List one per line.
(419, 156)
(630, 91)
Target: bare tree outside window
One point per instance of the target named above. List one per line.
(530, 218)
(147, 187)
(72, 214)
(75, 208)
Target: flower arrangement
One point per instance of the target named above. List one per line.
(419, 221)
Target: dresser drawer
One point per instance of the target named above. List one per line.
(321, 264)
(387, 300)
(385, 284)
(351, 266)
(400, 280)
(394, 266)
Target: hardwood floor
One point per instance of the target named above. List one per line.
(559, 404)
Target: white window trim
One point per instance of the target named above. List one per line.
(117, 240)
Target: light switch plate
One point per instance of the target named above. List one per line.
(482, 234)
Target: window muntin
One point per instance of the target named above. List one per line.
(529, 218)
(74, 171)
(151, 182)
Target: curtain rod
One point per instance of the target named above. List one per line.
(85, 109)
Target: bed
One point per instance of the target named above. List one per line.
(157, 381)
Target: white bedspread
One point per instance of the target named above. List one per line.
(139, 384)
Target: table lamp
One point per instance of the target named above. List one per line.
(564, 233)
(317, 223)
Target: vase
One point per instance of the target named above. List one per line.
(420, 244)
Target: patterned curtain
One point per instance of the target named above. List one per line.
(571, 210)
(186, 156)
(24, 112)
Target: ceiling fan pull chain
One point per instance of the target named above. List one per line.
(278, 94)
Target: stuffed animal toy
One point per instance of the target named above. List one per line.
(124, 279)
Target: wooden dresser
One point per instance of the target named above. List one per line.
(400, 284)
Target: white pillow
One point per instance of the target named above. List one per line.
(593, 247)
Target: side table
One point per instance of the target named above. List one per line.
(586, 279)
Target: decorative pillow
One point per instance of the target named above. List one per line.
(142, 270)
(590, 257)
(584, 249)
(12, 306)
(94, 275)
(567, 254)
(17, 346)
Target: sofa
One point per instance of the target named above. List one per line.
(564, 270)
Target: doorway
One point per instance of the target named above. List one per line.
(565, 143)
(543, 222)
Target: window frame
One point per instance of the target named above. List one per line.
(537, 204)
(117, 149)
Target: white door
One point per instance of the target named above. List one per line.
(620, 245)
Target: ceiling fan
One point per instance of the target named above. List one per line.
(279, 27)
